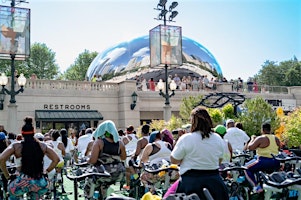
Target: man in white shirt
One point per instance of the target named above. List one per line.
(237, 137)
(83, 142)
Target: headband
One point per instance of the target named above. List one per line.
(27, 132)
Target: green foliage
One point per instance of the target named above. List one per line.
(174, 123)
(41, 62)
(216, 116)
(188, 104)
(228, 111)
(77, 71)
(286, 73)
(157, 125)
(255, 112)
(292, 130)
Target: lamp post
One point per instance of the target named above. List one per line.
(166, 53)
(16, 30)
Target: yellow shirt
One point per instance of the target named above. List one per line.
(269, 150)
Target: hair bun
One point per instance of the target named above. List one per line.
(28, 120)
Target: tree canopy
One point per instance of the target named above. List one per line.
(77, 71)
(286, 73)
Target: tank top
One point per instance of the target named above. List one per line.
(110, 147)
(163, 153)
(110, 153)
(130, 147)
(271, 149)
(57, 150)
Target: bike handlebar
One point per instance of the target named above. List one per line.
(233, 168)
(287, 182)
(154, 171)
(285, 158)
(83, 176)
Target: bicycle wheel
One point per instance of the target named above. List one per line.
(243, 193)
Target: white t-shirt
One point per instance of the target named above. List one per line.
(237, 138)
(197, 153)
(82, 144)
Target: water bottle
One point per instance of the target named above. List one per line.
(96, 195)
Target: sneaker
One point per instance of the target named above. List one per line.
(257, 189)
(126, 187)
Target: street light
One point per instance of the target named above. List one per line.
(12, 92)
(170, 48)
(134, 99)
(15, 30)
(166, 95)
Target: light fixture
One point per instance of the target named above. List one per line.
(173, 5)
(161, 3)
(21, 82)
(163, 11)
(172, 87)
(162, 14)
(3, 79)
(2, 96)
(173, 15)
(134, 99)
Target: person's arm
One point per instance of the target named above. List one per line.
(230, 150)
(52, 155)
(278, 142)
(61, 147)
(175, 161)
(96, 149)
(4, 156)
(138, 149)
(254, 143)
(89, 148)
(146, 152)
(122, 151)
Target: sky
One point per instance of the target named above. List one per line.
(240, 34)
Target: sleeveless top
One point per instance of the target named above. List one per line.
(271, 149)
(163, 153)
(57, 150)
(110, 153)
(140, 155)
(130, 147)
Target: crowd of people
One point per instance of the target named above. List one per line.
(198, 148)
(198, 83)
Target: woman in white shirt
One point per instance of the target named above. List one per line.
(199, 154)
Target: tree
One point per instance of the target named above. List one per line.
(41, 62)
(78, 70)
(255, 112)
(291, 135)
(286, 73)
(188, 104)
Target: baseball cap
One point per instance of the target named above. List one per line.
(220, 129)
(2, 136)
(39, 136)
(229, 121)
(186, 126)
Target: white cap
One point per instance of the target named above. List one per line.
(229, 121)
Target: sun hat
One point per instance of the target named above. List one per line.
(229, 121)
(2, 136)
(220, 129)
